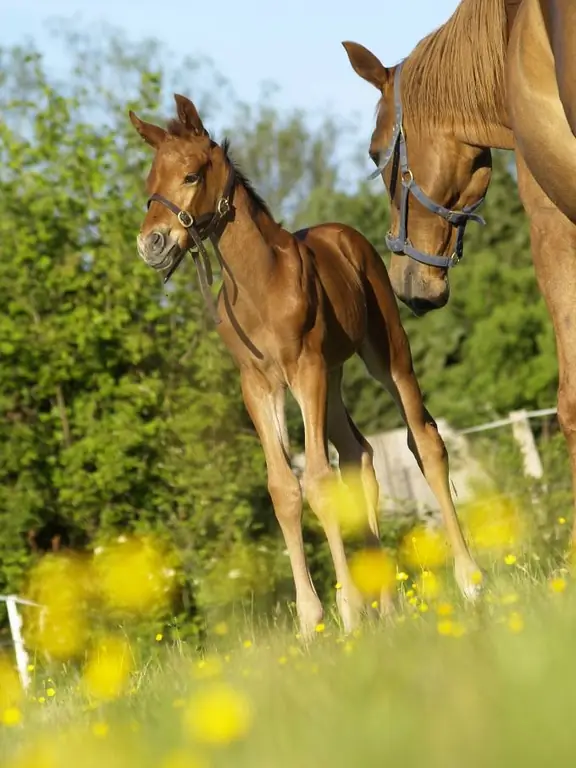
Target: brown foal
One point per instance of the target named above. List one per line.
(292, 309)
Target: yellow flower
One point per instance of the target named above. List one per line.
(221, 629)
(401, 576)
(558, 584)
(108, 668)
(562, 521)
(159, 637)
(424, 548)
(132, 575)
(41, 700)
(346, 499)
(247, 643)
(429, 585)
(50, 692)
(515, 622)
(30, 667)
(423, 607)
(445, 627)
(218, 715)
(338, 585)
(444, 609)
(320, 628)
(181, 758)
(510, 559)
(374, 604)
(11, 716)
(494, 523)
(372, 571)
(100, 730)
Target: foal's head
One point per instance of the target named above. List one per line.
(190, 172)
(453, 175)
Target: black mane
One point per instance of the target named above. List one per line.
(255, 198)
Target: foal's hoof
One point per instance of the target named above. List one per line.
(470, 580)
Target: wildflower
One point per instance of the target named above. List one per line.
(424, 548)
(562, 521)
(374, 604)
(159, 637)
(247, 643)
(100, 730)
(221, 629)
(50, 692)
(320, 628)
(11, 717)
(346, 498)
(41, 700)
(338, 585)
(108, 668)
(401, 576)
(423, 607)
(30, 667)
(132, 577)
(510, 559)
(445, 627)
(372, 571)
(558, 584)
(515, 622)
(218, 715)
(429, 585)
(444, 609)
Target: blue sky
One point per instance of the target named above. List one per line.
(296, 44)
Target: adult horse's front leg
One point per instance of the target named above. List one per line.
(265, 405)
(553, 239)
(310, 388)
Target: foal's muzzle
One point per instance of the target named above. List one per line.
(158, 250)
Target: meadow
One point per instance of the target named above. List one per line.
(441, 683)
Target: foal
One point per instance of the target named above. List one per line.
(292, 309)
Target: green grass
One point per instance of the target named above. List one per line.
(502, 693)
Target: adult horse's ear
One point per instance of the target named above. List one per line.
(152, 134)
(365, 64)
(188, 115)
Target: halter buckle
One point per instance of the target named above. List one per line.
(223, 206)
(185, 219)
(455, 259)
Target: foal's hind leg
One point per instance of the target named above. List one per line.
(397, 375)
(265, 404)
(355, 451)
(309, 385)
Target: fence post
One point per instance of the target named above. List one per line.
(524, 436)
(15, 621)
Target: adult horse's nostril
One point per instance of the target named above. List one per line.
(156, 242)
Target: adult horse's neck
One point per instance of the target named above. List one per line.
(454, 78)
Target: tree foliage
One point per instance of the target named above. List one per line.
(120, 409)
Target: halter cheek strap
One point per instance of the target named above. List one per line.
(206, 227)
(397, 152)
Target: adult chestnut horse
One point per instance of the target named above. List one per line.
(498, 74)
(292, 309)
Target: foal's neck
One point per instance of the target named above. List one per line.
(246, 246)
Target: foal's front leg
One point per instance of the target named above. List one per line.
(265, 404)
(310, 388)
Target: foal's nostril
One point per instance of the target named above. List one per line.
(156, 241)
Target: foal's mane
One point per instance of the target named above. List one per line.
(457, 72)
(176, 128)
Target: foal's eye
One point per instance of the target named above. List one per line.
(192, 178)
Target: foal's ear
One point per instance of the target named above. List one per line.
(188, 115)
(152, 134)
(365, 64)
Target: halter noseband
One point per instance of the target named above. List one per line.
(206, 227)
(397, 152)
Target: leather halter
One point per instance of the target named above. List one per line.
(209, 226)
(397, 152)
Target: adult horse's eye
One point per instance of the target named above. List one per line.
(192, 178)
